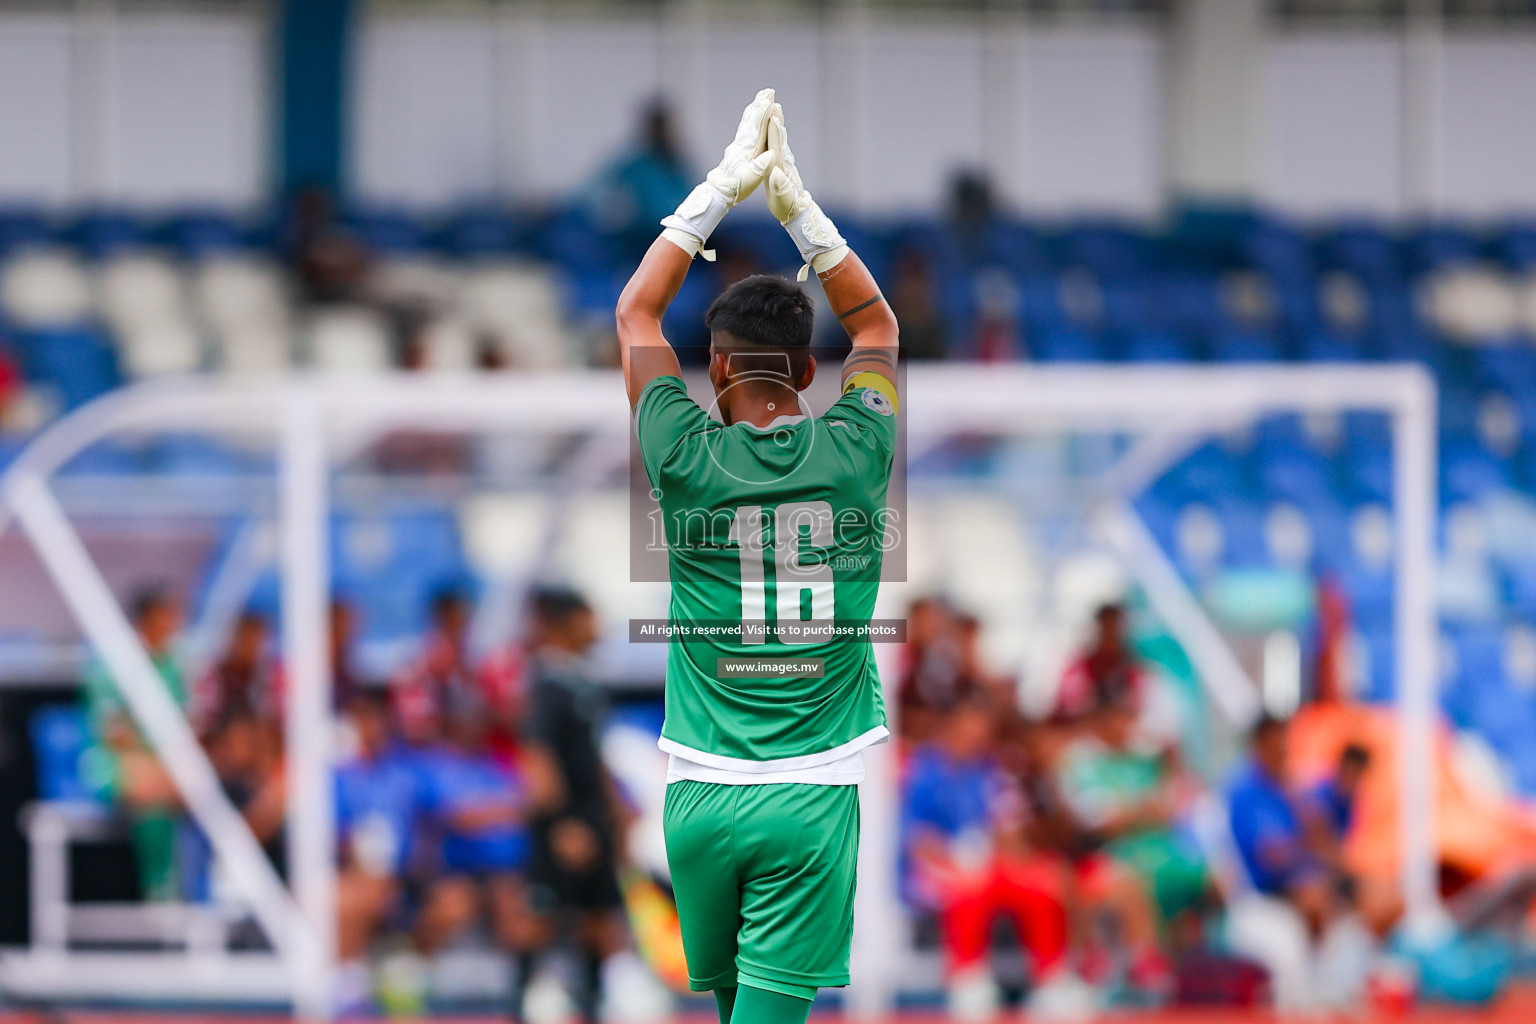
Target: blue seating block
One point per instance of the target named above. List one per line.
(60, 738)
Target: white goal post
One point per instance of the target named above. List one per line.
(307, 414)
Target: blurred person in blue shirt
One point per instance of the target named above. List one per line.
(378, 808)
(1329, 805)
(964, 856)
(1270, 832)
(475, 805)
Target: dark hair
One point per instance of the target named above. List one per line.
(1266, 725)
(1355, 756)
(552, 605)
(764, 310)
(153, 598)
(1109, 610)
(448, 598)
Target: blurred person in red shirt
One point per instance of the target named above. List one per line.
(445, 676)
(1105, 673)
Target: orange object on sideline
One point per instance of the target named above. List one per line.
(1477, 832)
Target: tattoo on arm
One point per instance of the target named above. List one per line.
(871, 361)
(861, 306)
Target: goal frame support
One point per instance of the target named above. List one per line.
(304, 413)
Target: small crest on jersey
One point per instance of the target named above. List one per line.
(876, 402)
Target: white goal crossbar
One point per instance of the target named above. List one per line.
(305, 414)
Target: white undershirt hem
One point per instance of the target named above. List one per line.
(847, 771)
(843, 765)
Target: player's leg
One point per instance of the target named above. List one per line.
(754, 1005)
(725, 1003)
(697, 822)
(797, 854)
(448, 907)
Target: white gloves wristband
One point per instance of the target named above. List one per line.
(817, 238)
(699, 214)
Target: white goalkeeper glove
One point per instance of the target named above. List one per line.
(744, 165)
(814, 234)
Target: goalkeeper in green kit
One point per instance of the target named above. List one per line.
(775, 522)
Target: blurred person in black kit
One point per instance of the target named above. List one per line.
(1105, 673)
(573, 876)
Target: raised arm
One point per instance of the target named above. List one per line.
(850, 288)
(642, 348)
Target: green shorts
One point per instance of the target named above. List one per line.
(764, 879)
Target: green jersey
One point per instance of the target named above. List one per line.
(774, 539)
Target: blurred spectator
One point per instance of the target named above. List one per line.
(328, 260)
(1329, 806)
(643, 185)
(477, 808)
(972, 212)
(246, 752)
(576, 822)
(915, 301)
(1108, 897)
(935, 674)
(122, 765)
(10, 385)
(344, 681)
(378, 803)
(1106, 672)
(246, 682)
(444, 678)
(967, 859)
(1295, 921)
(1130, 800)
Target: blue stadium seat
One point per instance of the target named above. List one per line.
(392, 231)
(1066, 345)
(1125, 305)
(1242, 524)
(197, 234)
(1191, 302)
(1332, 545)
(1240, 346)
(60, 738)
(570, 239)
(1363, 248)
(1518, 245)
(393, 563)
(1108, 249)
(22, 227)
(104, 459)
(103, 232)
(1040, 303)
(1380, 657)
(1158, 347)
(79, 361)
(481, 231)
(1294, 474)
(1439, 245)
(1210, 474)
(1469, 472)
(1329, 347)
(196, 454)
(1510, 366)
(1280, 251)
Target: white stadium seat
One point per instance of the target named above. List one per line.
(45, 288)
